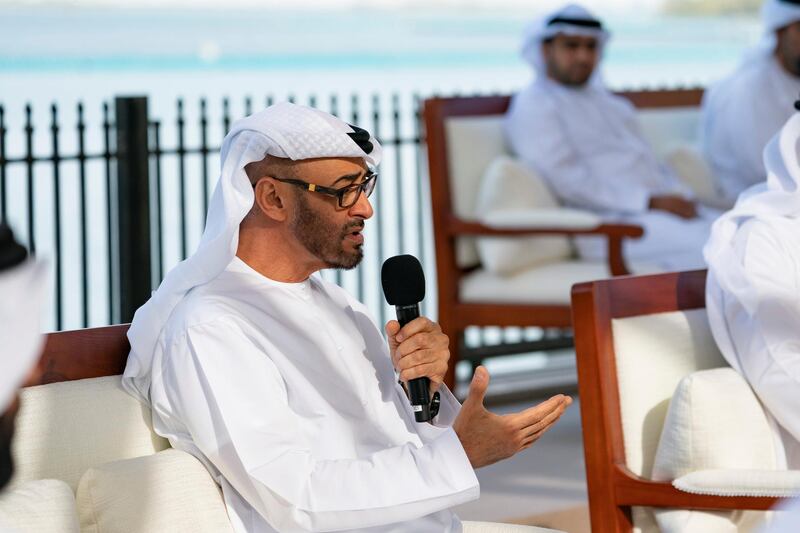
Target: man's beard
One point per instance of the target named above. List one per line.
(569, 77)
(323, 239)
(6, 433)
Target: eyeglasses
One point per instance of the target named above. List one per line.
(347, 196)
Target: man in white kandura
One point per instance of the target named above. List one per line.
(21, 294)
(742, 112)
(278, 381)
(585, 142)
(752, 289)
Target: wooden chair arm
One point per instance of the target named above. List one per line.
(613, 232)
(635, 490)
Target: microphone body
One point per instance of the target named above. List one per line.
(419, 389)
(403, 283)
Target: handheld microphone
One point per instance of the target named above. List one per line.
(404, 287)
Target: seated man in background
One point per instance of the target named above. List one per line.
(586, 143)
(752, 294)
(742, 112)
(20, 300)
(278, 381)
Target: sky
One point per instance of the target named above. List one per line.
(601, 5)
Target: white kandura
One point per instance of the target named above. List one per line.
(753, 285)
(743, 111)
(586, 143)
(286, 391)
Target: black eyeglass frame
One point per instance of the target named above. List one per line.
(366, 187)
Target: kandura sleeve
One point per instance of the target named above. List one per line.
(537, 136)
(235, 403)
(769, 346)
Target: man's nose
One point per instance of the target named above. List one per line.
(362, 208)
(585, 54)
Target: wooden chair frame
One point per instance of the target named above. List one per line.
(613, 488)
(82, 354)
(455, 315)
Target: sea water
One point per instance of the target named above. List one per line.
(64, 55)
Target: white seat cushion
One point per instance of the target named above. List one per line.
(510, 186)
(653, 353)
(169, 491)
(494, 527)
(714, 421)
(694, 172)
(39, 506)
(65, 428)
(544, 284)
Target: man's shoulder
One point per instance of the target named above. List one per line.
(203, 305)
(740, 86)
(773, 238)
(534, 98)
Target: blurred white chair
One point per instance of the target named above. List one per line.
(503, 243)
(667, 425)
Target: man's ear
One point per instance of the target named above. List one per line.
(270, 201)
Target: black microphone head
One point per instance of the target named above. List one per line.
(403, 280)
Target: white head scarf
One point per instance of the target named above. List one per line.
(774, 200)
(571, 19)
(282, 130)
(778, 14)
(775, 14)
(21, 294)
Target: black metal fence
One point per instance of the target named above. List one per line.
(123, 204)
(27, 162)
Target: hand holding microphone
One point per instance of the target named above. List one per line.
(420, 350)
(418, 347)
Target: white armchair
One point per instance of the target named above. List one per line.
(503, 243)
(674, 439)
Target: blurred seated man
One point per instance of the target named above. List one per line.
(586, 143)
(278, 381)
(20, 298)
(752, 292)
(742, 112)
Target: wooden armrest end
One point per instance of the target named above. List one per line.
(635, 490)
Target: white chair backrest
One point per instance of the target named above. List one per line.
(653, 353)
(666, 128)
(65, 428)
(472, 144)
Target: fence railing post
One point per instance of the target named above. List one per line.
(133, 205)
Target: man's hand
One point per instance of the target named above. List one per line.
(488, 437)
(419, 349)
(677, 205)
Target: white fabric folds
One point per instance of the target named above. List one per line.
(742, 112)
(21, 295)
(751, 293)
(282, 130)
